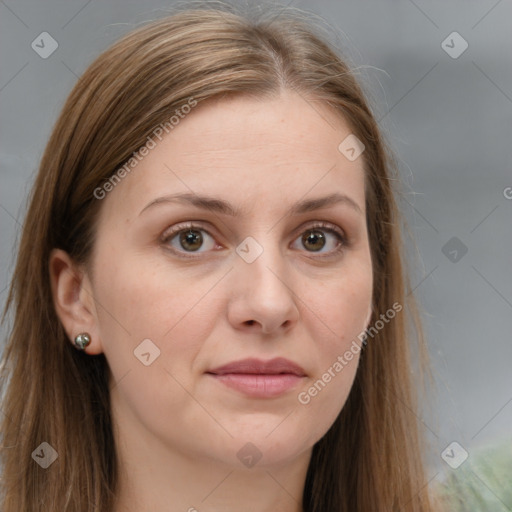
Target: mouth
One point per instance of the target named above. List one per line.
(260, 379)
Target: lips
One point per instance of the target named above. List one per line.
(276, 366)
(260, 379)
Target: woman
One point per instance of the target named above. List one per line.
(210, 302)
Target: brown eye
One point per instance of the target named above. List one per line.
(183, 239)
(321, 236)
(191, 239)
(313, 240)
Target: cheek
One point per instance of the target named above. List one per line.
(144, 301)
(336, 316)
(339, 309)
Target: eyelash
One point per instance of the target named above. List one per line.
(325, 226)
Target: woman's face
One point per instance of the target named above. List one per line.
(173, 305)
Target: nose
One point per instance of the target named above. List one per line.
(263, 298)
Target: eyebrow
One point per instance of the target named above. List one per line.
(220, 206)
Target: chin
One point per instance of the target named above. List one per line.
(270, 444)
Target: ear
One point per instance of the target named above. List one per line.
(73, 299)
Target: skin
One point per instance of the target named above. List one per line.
(177, 429)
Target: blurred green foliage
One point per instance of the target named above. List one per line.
(483, 483)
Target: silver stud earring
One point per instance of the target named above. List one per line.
(82, 340)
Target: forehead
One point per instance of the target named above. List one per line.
(247, 150)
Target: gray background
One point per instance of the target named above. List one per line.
(448, 119)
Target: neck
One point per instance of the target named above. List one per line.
(154, 477)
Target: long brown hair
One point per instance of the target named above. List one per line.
(371, 458)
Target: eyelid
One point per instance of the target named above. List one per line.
(328, 226)
(182, 226)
